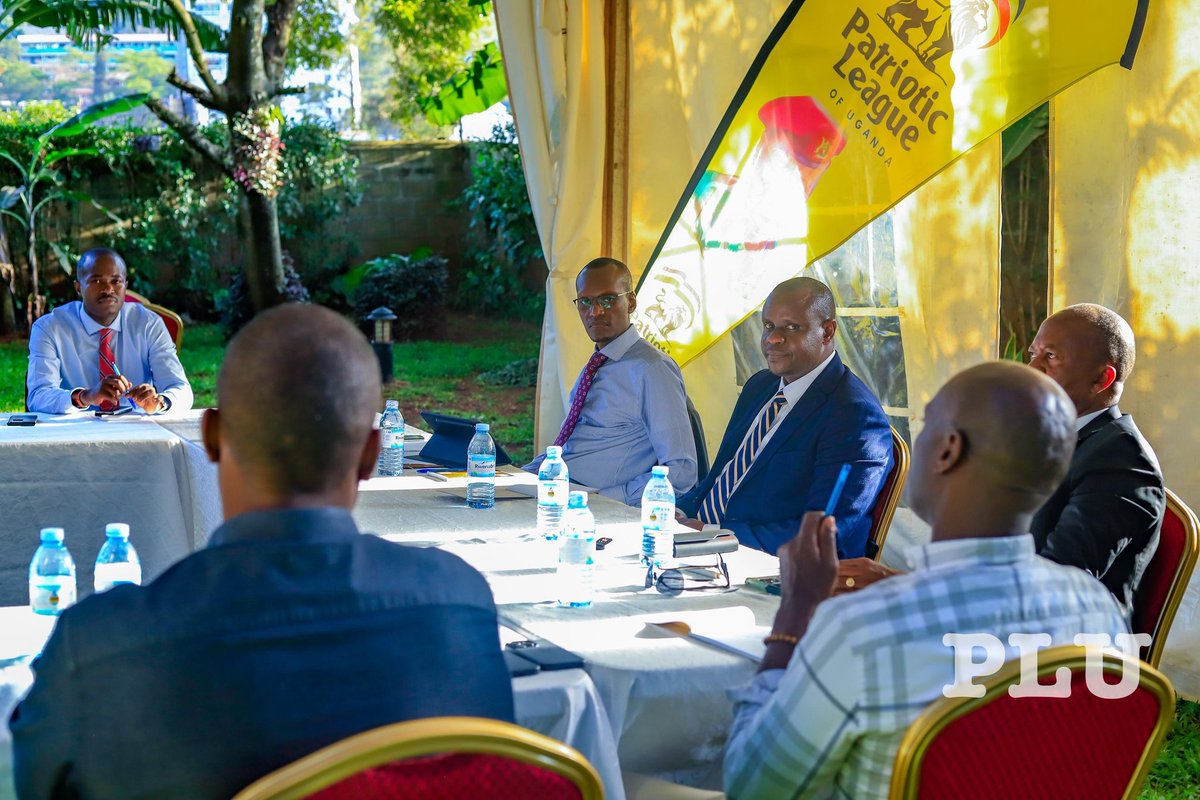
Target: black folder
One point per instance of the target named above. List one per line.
(451, 436)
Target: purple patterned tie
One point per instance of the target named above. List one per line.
(585, 383)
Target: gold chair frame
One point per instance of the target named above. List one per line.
(906, 770)
(162, 311)
(424, 737)
(900, 459)
(1179, 583)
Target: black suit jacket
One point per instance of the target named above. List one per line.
(837, 421)
(1105, 517)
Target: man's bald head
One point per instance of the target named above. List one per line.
(1001, 434)
(1108, 337)
(815, 295)
(297, 392)
(624, 277)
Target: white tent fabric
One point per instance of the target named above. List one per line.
(1126, 185)
(615, 101)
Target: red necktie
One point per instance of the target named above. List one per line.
(585, 383)
(108, 363)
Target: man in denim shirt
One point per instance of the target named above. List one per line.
(291, 630)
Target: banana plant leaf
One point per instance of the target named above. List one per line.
(85, 22)
(477, 87)
(94, 113)
(1017, 138)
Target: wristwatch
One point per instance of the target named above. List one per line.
(77, 398)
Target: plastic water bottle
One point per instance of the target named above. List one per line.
(481, 468)
(553, 486)
(51, 575)
(577, 554)
(658, 518)
(118, 562)
(391, 431)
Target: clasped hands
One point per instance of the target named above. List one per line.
(114, 387)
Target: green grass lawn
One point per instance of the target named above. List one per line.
(429, 376)
(1176, 771)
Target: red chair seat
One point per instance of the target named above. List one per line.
(452, 776)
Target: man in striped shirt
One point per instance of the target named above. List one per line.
(844, 677)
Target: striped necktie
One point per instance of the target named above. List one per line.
(589, 374)
(713, 507)
(108, 363)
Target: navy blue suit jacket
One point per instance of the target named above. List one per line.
(837, 421)
(290, 631)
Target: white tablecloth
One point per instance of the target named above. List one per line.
(79, 473)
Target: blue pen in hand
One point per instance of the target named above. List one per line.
(836, 494)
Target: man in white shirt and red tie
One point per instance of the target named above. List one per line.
(628, 408)
(794, 426)
(102, 352)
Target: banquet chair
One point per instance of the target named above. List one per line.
(969, 748)
(1166, 577)
(172, 320)
(889, 497)
(436, 759)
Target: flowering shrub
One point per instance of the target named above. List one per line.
(258, 150)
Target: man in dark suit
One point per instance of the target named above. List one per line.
(1105, 517)
(291, 630)
(794, 426)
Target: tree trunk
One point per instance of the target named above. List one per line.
(263, 254)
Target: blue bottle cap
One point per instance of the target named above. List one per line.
(392, 404)
(116, 530)
(482, 427)
(553, 451)
(52, 535)
(659, 471)
(577, 500)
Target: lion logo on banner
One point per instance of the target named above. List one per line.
(933, 30)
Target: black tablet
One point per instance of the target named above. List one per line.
(448, 444)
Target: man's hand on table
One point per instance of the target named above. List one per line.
(855, 573)
(146, 397)
(683, 519)
(808, 568)
(110, 390)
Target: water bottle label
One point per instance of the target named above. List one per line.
(553, 493)
(394, 438)
(110, 575)
(51, 597)
(481, 466)
(657, 515)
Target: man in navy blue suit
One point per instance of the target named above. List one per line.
(794, 426)
(290, 630)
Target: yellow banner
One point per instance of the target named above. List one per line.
(848, 108)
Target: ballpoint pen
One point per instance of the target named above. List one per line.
(836, 494)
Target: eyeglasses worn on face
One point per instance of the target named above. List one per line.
(605, 301)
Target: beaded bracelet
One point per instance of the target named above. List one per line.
(785, 638)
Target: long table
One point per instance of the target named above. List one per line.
(640, 684)
(79, 473)
(664, 698)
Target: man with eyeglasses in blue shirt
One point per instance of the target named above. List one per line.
(100, 352)
(628, 408)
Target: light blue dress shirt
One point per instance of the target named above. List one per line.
(64, 355)
(634, 417)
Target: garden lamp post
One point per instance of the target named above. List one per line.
(382, 318)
